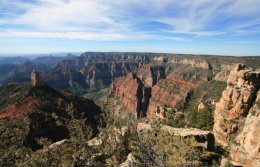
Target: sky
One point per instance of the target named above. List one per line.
(218, 27)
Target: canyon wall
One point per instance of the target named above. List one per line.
(167, 94)
(150, 91)
(236, 119)
(102, 74)
(92, 71)
(135, 89)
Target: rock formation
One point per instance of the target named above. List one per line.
(194, 62)
(36, 79)
(245, 150)
(148, 91)
(46, 109)
(101, 74)
(167, 94)
(63, 77)
(235, 124)
(151, 74)
(134, 94)
(224, 72)
(205, 139)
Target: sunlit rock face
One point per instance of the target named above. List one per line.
(133, 93)
(36, 79)
(149, 92)
(236, 117)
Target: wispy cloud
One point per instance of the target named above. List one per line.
(117, 20)
(63, 35)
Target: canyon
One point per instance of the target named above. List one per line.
(93, 71)
(185, 98)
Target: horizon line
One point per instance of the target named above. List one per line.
(147, 52)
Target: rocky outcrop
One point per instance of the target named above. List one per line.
(245, 150)
(63, 77)
(204, 139)
(235, 123)
(149, 92)
(151, 74)
(194, 62)
(224, 72)
(167, 94)
(134, 94)
(36, 79)
(47, 110)
(101, 74)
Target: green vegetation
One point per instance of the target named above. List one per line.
(189, 73)
(57, 116)
(12, 138)
(98, 97)
(13, 94)
(207, 93)
(202, 119)
(187, 110)
(31, 141)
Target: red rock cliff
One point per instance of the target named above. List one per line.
(150, 92)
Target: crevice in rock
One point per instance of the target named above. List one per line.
(143, 95)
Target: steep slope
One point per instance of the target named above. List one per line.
(47, 110)
(99, 69)
(99, 75)
(149, 91)
(135, 89)
(65, 78)
(237, 119)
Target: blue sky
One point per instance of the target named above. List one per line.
(224, 27)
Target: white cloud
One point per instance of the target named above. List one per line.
(91, 36)
(116, 20)
(63, 35)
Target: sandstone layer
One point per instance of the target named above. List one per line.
(236, 121)
(133, 93)
(150, 92)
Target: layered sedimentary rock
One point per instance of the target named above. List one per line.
(64, 78)
(102, 74)
(204, 138)
(149, 91)
(235, 123)
(90, 58)
(194, 62)
(151, 74)
(167, 94)
(135, 89)
(134, 94)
